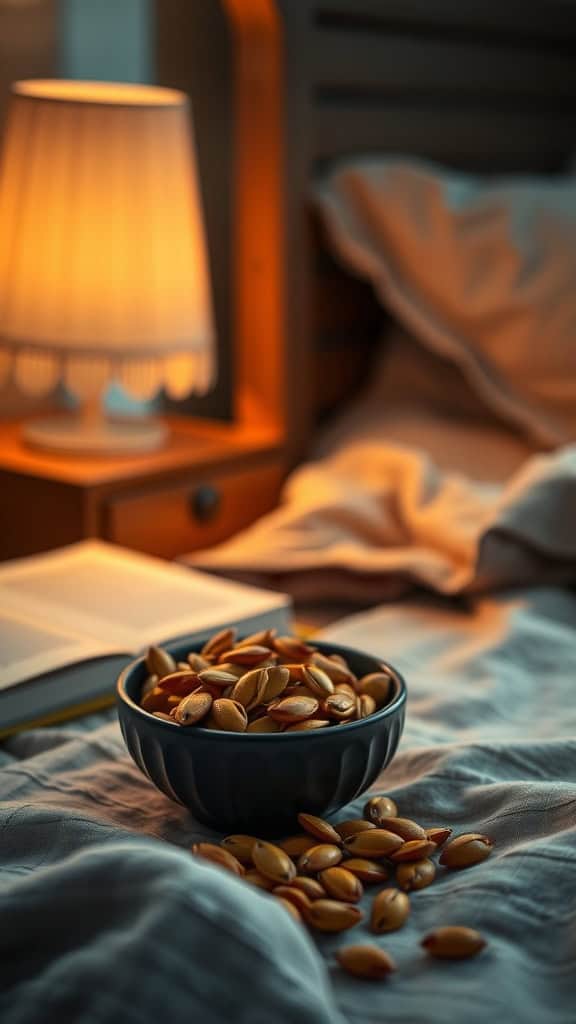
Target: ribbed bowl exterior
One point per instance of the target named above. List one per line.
(258, 783)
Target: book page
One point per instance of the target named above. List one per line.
(122, 600)
(28, 649)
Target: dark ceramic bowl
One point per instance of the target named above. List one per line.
(257, 783)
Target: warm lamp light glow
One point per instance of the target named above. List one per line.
(103, 264)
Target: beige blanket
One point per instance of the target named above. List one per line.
(387, 513)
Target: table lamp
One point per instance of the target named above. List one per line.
(103, 263)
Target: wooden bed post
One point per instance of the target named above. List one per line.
(271, 362)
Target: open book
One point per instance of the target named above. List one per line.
(93, 599)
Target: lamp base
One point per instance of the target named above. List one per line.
(79, 436)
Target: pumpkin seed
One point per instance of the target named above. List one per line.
(438, 835)
(414, 849)
(324, 855)
(319, 828)
(332, 916)
(295, 846)
(342, 885)
(453, 942)
(353, 827)
(273, 862)
(389, 911)
(216, 855)
(339, 706)
(240, 846)
(218, 643)
(374, 843)
(264, 724)
(193, 709)
(377, 685)
(293, 709)
(295, 896)
(403, 827)
(317, 681)
(379, 808)
(229, 715)
(466, 850)
(365, 961)
(159, 662)
(309, 886)
(292, 648)
(415, 875)
(368, 871)
(254, 878)
(252, 655)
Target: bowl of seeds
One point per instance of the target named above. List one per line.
(248, 732)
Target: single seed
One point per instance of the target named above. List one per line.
(453, 943)
(374, 843)
(318, 828)
(247, 688)
(295, 896)
(414, 849)
(379, 808)
(155, 700)
(389, 911)
(240, 846)
(317, 681)
(377, 685)
(342, 885)
(264, 724)
(221, 641)
(403, 827)
(264, 638)
(197, 662)
(254, 878)
(252, 655)
(332, 916)
(365, 961)
(319, 857)
(466, 850)
(165, 717)
(438, 835)
(309, 886)
(216, 855)
(274, 683)
(368, 871)
(339, 706)
(307, 725)
(293, 709)
(216, 677)
(295, 846)
(159, 662)
(415, 875)
(292, 648)
(353, 827)
(273, 862)
(193, 709)
(229, 715)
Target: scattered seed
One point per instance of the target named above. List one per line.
(453, 943)
(365, 961)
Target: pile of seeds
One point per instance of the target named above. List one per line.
(262, 684)
(319, 877)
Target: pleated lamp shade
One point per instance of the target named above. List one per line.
(103, 262)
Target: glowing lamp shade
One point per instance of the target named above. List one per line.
(103, 263)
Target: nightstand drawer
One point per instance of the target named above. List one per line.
(196, 513)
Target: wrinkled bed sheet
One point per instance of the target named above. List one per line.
(106, 917)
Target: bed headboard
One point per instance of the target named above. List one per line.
(488, 85)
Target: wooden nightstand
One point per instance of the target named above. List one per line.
(207, 483)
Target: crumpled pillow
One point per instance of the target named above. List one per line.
(482, 271)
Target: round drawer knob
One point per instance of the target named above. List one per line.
(205, 502)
